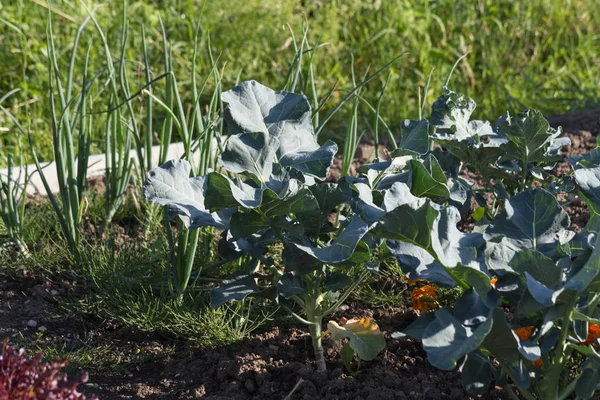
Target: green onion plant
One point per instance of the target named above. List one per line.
(200, 133)
(12, 202)
(71, 133)
(13, 193)
(119, 126)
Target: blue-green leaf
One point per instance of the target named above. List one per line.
(418, 263)
(223, 192)
(588, 179)
(342, 248)
(531, 220)
(452, 111)
(520, 375)
(453, 246)
(283, 116)
(587, 383)
(541, 293)
(540, 267)
(446, 340)
(315, 163)
(236, 287)
(415, 136)
(170, 185)
(246, 224)
(410, 223)
(501, 341)
(301, 202)
(256, 108)
(252, 152)
(423, 184)
(530, 137)
(470, 309)
(416, 330)
(291, 285)
(588, 272)
(476, 373)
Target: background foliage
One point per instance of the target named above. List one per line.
(539, 53)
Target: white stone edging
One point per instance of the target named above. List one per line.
(96, 167)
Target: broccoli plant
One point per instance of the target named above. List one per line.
(529, 307)
(299, 245)
(546, 276)
(511, 155)
(528, 314)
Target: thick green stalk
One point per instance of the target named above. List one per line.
(315, 333)
(314, 315)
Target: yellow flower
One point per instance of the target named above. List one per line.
(525, 332)
(424, 298)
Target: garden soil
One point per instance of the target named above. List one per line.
(274, 363)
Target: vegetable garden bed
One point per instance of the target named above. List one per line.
(275, 362)
(459, 257)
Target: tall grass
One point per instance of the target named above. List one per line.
(541, 53)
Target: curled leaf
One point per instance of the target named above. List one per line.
(365, 337)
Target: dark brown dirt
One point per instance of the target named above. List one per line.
(267, 365)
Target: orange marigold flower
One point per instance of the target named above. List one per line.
(593, 334)
(525, 332)
(538, 363)
(424, 298)
(493, 281)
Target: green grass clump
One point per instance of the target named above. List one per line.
(123, 277)
(131, 287)
(541, 53)
(386, 289)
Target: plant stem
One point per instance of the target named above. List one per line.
(347, 293)
(315, 333)
(552, 383)
(293, 314)
(314, 314)
(524, 177)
